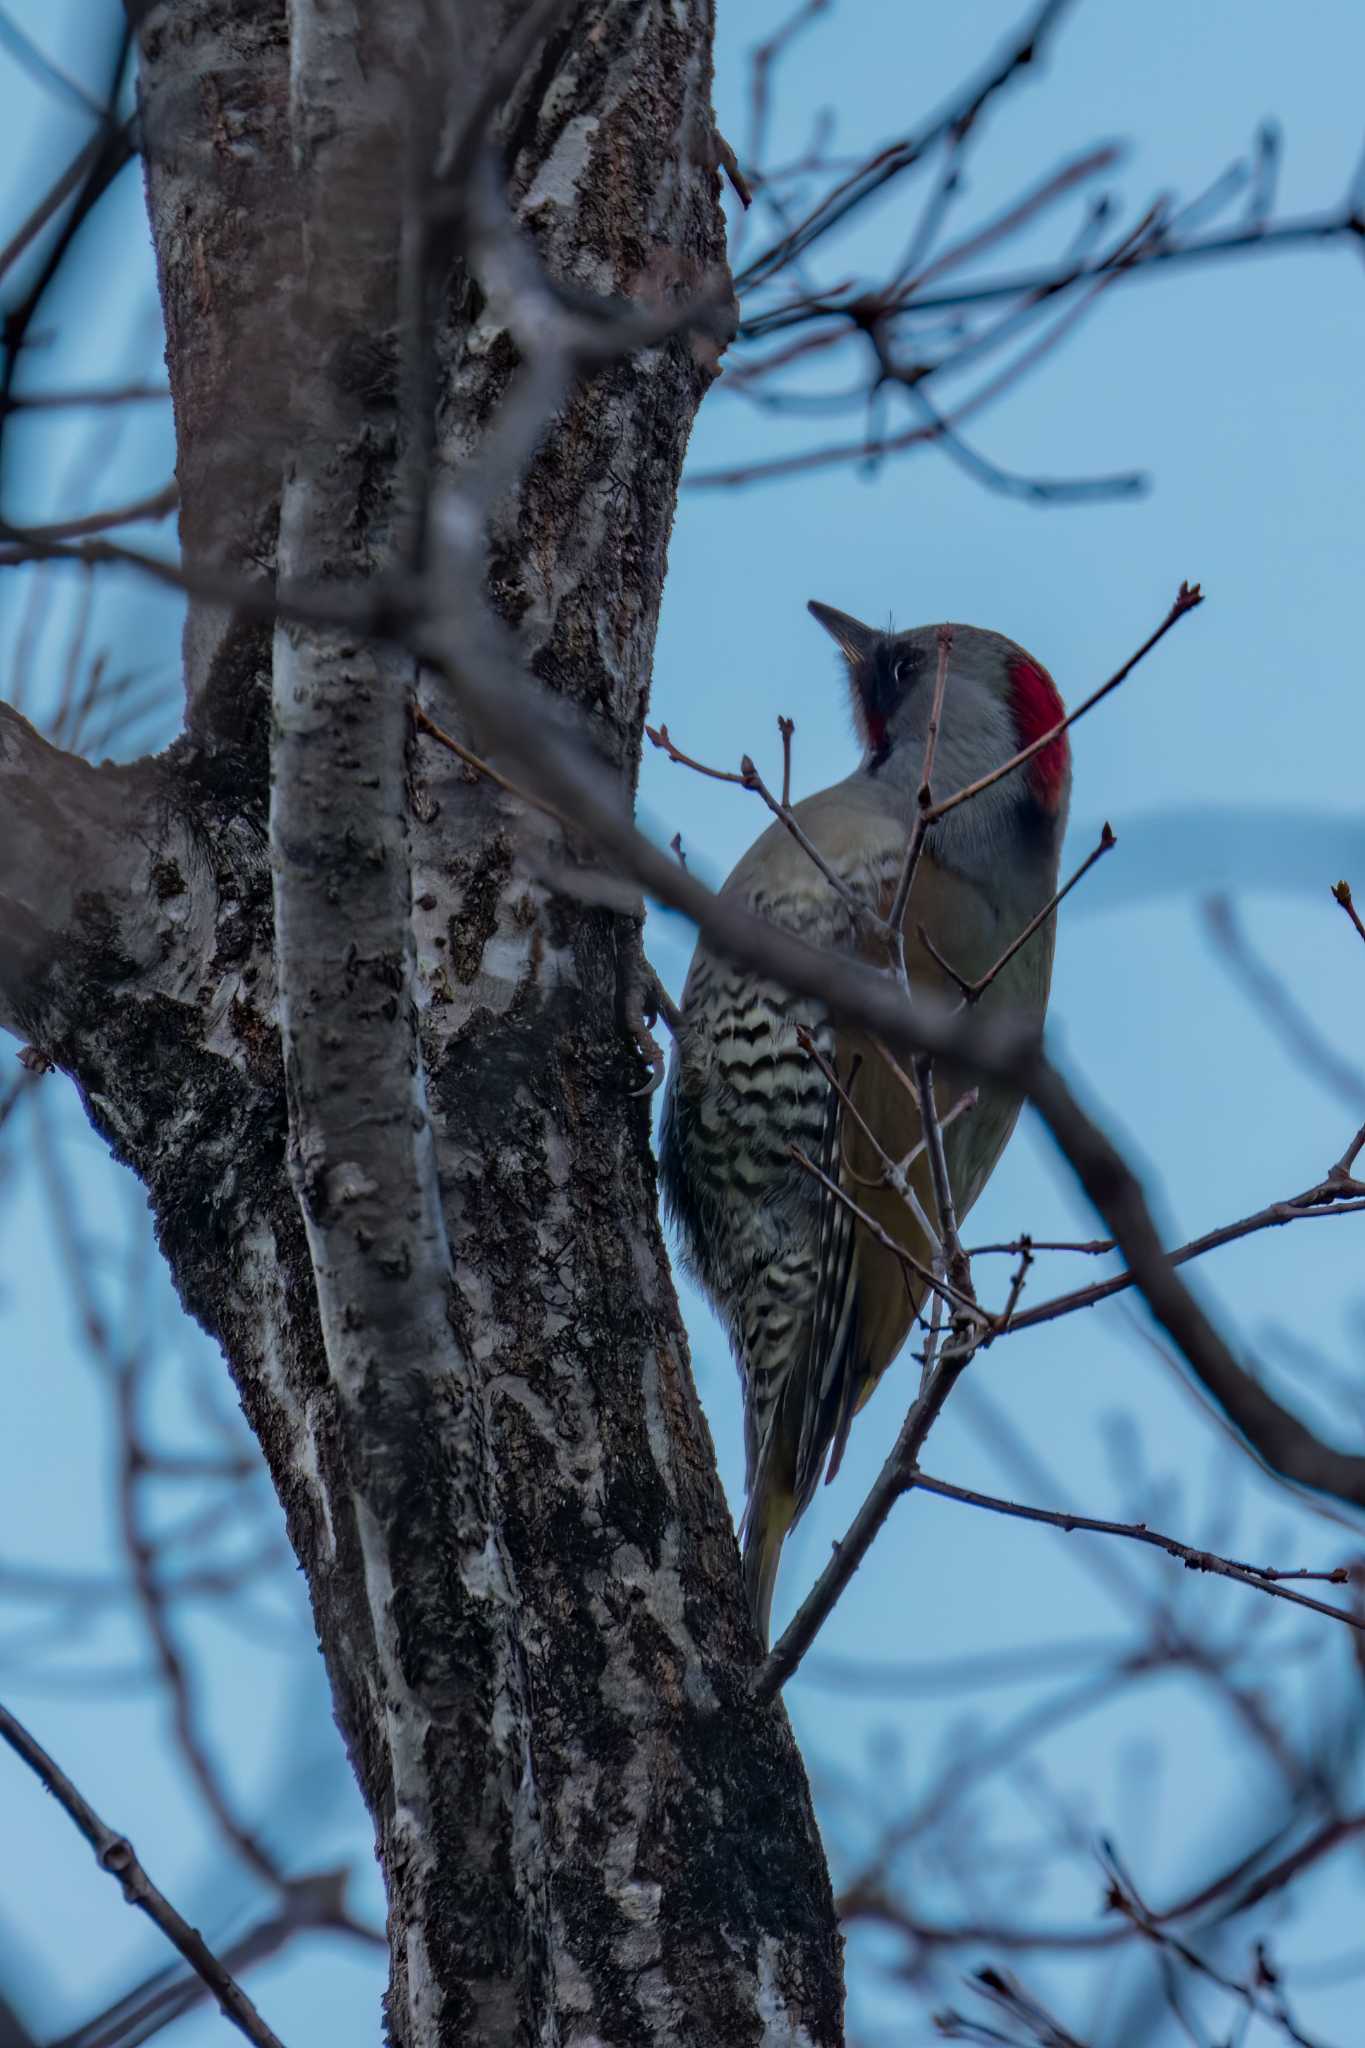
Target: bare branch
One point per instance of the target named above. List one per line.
(152, 1600)
(893, 162)
(972, 991)
(156, 505)
(924, 803)
(424, 722)
(94, 397)
(761, 66)
(1187, 598)
(895, 1172)
(89, 177)
(986, 394)
(115, 1853)
(883, 1237)
(82, 165)
(315, 1902)
(1092, 1246)
(1337, 223)
(1122, 1896)
(1265, 1578)
(749, 778)
(1331, 1197)
(1300, 1035)
(956, 1263)
(891, 1482)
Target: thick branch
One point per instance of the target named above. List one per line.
(78, 864)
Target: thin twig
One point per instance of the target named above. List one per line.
(985, 394)
(95, 397)
(659, 736)
(924, 804)
(1123, 1897)
(972, 991)
(762, 60)
(786, 726)
(424, 722)
(865, 1901)
(895, 1173)
(1329, 1198)
(928, 1358)
(958, 1265)
(1348, 1158)
(1308, 1045)
(1092, 1245)
(893, 162)
(124, 1368)
(1017, 1280)
(886, 1489)
(82, 164)
(1038, 285)
(1342, 893)
(1264, 1577)
(1188, 596)
(115, 1853)
(153, 1601)
(748, 777)
(1019, 214)
(314, 1902)
(111, 150)
(155, 505)
(884, 1237)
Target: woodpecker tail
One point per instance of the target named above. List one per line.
(766, 1525)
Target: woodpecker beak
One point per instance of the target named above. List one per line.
(856, 641)
(871, 684)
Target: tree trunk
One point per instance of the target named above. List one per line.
(374, 1074)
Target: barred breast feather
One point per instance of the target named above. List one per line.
(814, 1307)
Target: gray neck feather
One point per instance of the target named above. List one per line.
(977, 733)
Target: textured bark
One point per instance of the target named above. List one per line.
(444, 1673)
(426, 1233)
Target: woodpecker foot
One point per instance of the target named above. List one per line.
(644, 1000)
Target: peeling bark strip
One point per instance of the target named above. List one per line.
(382, 1109)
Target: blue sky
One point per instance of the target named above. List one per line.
(1230, 762)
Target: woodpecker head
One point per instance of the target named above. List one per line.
(997, 700)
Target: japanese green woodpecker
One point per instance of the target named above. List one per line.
(815, 1305)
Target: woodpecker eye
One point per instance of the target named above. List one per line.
(905, 668)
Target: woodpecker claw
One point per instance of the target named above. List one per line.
(650, 1050)
(644, 1000)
